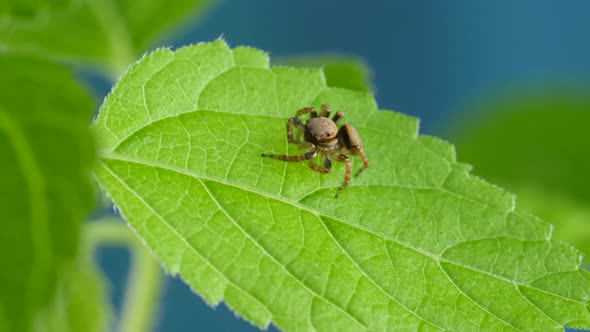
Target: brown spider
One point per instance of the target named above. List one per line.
(323, 137)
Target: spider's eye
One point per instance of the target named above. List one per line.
(327, 134)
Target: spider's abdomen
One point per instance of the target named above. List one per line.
(349, 138)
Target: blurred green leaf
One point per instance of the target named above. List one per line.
(80, 302)
(26, 9)
(46, 152)
(573, 216)
(414, 243)
(341, 71)
(107, 33)
(536, 144)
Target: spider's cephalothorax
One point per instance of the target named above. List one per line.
(322, 136)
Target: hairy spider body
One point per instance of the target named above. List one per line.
(322, 137)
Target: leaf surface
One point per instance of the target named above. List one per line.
(46, 152)
(415, 242)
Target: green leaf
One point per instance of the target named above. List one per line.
(27, 9)
(100, 32)
(535, 144)
(414, 242)
(46, 152)
(572, 217)
(529, 139)
(80, 302)
(341, 71)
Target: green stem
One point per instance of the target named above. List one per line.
(145, 279)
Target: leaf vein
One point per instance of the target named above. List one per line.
(182, 238)
(366, 275)
(268, 254)
(472, 299)
(319, 214)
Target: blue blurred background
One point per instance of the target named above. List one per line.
(430, 59)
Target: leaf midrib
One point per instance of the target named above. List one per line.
(298, 205)
(320, 215)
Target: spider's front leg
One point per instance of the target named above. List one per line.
(306, 110)
(306, 156)
(300, 130)
(295, 121)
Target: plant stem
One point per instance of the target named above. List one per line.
(145, 278)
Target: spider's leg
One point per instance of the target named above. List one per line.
(306, 156)
(325, 111)
(361, 153)
(305, 110)
(339, 115)
(300, 129)
(348, 172)
(327, 165)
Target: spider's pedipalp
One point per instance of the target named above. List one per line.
(327, 164)
(318, 168)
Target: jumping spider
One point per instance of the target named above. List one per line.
(322, 136)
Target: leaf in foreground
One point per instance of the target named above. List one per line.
(414, 242)
(46, 152)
